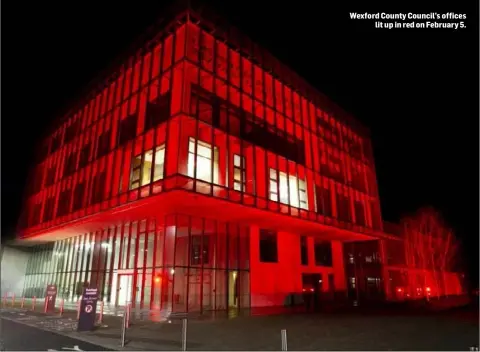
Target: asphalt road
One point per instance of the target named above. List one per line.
(20, 337)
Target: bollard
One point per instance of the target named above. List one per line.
(45, 305)
(23, 302)
(284, 340)
(100, 315)
(184, 334)
(62, 303)
(124, 328)
(128, 308)
(4, 300)
(13, 300)
(34, 300)
(78, 310)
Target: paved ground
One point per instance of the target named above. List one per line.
(381, 330)
(20, 337)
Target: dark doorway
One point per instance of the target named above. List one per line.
(312, 288)
(331, 286)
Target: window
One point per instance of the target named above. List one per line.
(128, 129)
(72, 131)
(56, 143)
(50, 178)
(70, 164)
(302, 192)
(35, 215)
(375, 210)
(78, 195)
(323, 253)
(199, 250)
(268, 246)
(303, 250)
(358, 180)
(142, 165)
(84, 156)
(323, 126)
(156, 159)
(212, 109)
(103, 144)
(201, 106)
(292, 190)
(376, 257)
(335, 166)
(323, 201)
(343, 208)
(351, 259)
(239, 175)
(359, 213)
(64, 202)
(36, 183)
(201, 166)
(49, 209)
(42, 152)
(135, 173)
(98, 187)
(373, 282)
(157, 111)
(356, 148)
(273, 185)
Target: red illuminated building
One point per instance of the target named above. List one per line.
(204, 174)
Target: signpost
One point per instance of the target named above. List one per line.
(88, 309)
(51, 296)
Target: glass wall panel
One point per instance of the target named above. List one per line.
(177, 262)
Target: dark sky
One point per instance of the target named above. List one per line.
(417, 90)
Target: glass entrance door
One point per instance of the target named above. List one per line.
(124, 289)
(233, 283)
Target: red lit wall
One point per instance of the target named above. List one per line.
(271, 283)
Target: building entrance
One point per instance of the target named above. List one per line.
(312, 288)
(233, 286)
(124, 289)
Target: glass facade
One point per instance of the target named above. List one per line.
(194, 112)
(180, 262)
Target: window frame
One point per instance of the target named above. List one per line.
(239, 185)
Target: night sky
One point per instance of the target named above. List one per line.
(417, 90)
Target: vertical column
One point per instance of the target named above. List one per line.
(383, 263)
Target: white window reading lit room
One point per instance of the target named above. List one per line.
(239, 176)
(142, 165)
(202, 163)
(292, 190)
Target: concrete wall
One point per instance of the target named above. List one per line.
(13, 268)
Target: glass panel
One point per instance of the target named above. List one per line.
(283, 188)
(147, 167)
(204, 149)
(159, 163)
(293, 191)
(273, 174)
